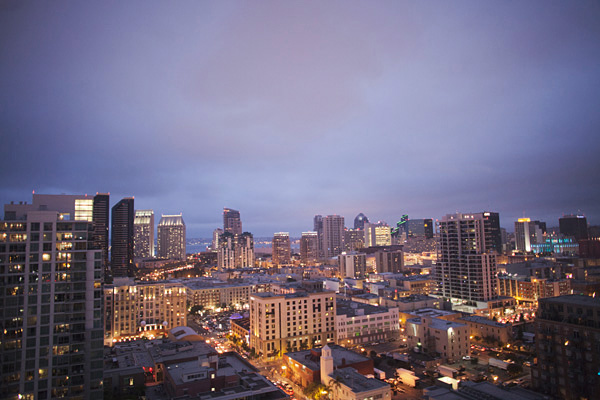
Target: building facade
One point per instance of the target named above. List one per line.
(100, 217)
(143, 234)
(232, 223)
(51, 314)
(466, 269)
(527, 234)
(435, 336)
(574, 225)
(290, 322)
(171, 237)
(236, 251)
(378, 234)
(359, 323)
(121, 238)
(333, 235)
(134, 309)
(282, 250)
(309, 247)
(567, 337)
(352, 265)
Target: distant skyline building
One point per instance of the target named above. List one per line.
(465, 269)
(121, 238)
(232, 222)
(527, 234)
(318, 227)
(215, 239)
(171, 237)
(333, 235)
(359, 221)
(235, 251)
(377, 234)
(352, 264)
(101, 224)
(354, 239)
(143, 234)
(51, 316)
(493, 234)
(420, 228)
(282, 251)
(309, 247)
(574, 225)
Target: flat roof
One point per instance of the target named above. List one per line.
(357, 382)
(338, 353)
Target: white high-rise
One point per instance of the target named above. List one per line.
(143, 234)
(171, 237)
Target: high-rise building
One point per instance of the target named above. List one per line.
(527, 233)
(352, 265)
(232, 222)
(215, 239)
(121, 238)
(100, 218)
(236, 251)
(360, 220)
(143, 234)
(51, 314)
(171, 237)
(420, 228)
(282, 251)
(354, 239)
(318, 227)
(566, 342)
(466, 269)
(333, 235)
(309, 247)
(377, 234)
(493, 234)
(574, 225)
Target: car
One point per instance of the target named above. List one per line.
(467, 358)
(527, 363)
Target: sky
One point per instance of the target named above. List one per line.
(287, 109)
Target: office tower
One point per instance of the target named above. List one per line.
(359, 221)
(333, 235)
(466, 269)
(352, 265)
(121, 238)
(295, 321)
(378, 234)
(51, 317)
(422, 228)
(282, 251)
(143, 234)
(100, 218)
(389, 259)
(566, 342)
(309, 247)
(215, 239)
(236, 251)
(354, 239)
(527, 233)
(171, 237)
(574, 225)
(493, 234)
(231, 221)
(318, 227)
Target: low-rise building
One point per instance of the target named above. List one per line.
(358, 323)
(411, 303)
(449, 339)
(487, 328)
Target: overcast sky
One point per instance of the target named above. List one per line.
(288, 109)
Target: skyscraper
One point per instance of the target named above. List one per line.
(422, 228)
(171, 237)
(282, 251)
(466, 268)
(359, 221)
(121, 238)
(318, 227)
(231, 221)
(100, 217)
(236, 251)
(51, 314)
(527, 233)
(377, 234)
(574, 225)
(333, 235)
(215, 239)
(493, 234)
(143, 234)
(309, 247)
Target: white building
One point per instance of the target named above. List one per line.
(352, 264)
(449, 339)
(143, 234)
(358, 323)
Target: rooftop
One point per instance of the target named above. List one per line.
(575, 299)
(357, 382)
(341, 356)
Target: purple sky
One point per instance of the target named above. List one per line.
(284, 110)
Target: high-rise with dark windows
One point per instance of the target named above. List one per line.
(121, 238)
(232, 222)
(574, 225)
(100, 218)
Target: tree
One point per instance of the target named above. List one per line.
(196, 309)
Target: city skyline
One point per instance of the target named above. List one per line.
(284, 111)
